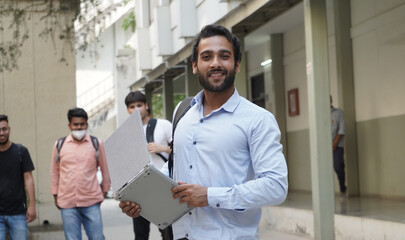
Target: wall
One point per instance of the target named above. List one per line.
(36, 98)
(103, 70)
(378, 33)
(299, 165)
(299, 161)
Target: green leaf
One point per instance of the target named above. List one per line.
(129, 22)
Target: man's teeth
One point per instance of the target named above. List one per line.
(216, 74)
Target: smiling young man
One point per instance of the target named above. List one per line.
(74, 183)
(228, 159)
(15, 181)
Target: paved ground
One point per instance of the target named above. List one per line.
(119, 226)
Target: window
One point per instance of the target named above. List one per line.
(257, 87)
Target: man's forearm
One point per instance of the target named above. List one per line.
(30, 188)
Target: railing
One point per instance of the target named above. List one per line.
(99, 97)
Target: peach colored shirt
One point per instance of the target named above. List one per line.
(74, 176)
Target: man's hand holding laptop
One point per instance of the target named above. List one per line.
(195, 195)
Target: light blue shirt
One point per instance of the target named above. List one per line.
(338, 125)
(236, 153)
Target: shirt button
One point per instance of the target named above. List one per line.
(201, 120)
(218, 205)
(186, 234)
(189, 213)
(194, 142)
(191, 166)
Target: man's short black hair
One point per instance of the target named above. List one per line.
(76, 112)
(3, 118)
(217, 30)
(133, 97)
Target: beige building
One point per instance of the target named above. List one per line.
(364, 45)
(365, 55)
(37, 95)
(352, 50)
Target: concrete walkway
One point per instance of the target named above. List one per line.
(119, 226)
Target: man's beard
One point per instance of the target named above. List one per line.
(227, 83)
(5, 142)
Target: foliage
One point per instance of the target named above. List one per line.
(129, 22)
(157, 104)
(177, 98)
(58, 16)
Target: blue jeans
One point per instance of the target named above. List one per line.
(16, 225)
(90, 217)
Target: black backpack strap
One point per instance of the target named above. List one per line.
(150, 130)
(19, 149)
(94, 140)
(61, 140)
(181, 111)
(59, 146)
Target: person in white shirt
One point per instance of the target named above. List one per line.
(159, 153)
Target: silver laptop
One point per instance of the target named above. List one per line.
(134, 178)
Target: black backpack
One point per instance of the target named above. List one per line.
(20, 154)
(61, 140)
(150, 130)
(181, 111)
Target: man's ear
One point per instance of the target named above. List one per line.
(194, 67)
(237, 67)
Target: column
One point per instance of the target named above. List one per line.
(345, 78)
(168, 97)
(277, 72)
(316, 40)
(192, 84)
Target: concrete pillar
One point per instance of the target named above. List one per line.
(277, 72)
(168, 97)
(241, 82)
(148, 95)
(36, 97)
(192, 84)
(316, 39)
(345, 79)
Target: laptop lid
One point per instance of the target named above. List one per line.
(126, 151)
(151, 190)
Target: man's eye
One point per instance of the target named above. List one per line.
(225, 56)
(205, 57)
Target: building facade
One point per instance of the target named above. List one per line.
(366, 51)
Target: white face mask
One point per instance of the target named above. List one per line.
(78, 134)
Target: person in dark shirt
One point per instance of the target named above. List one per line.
(15, 181)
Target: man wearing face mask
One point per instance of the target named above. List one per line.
(74, 183)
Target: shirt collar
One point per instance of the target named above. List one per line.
(230, 105)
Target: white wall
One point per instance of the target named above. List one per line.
(209, 11)
(295, 75)
(378, 34)
(97, 65)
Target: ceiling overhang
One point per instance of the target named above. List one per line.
(244, 19)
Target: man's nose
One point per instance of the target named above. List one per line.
(215, 62)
